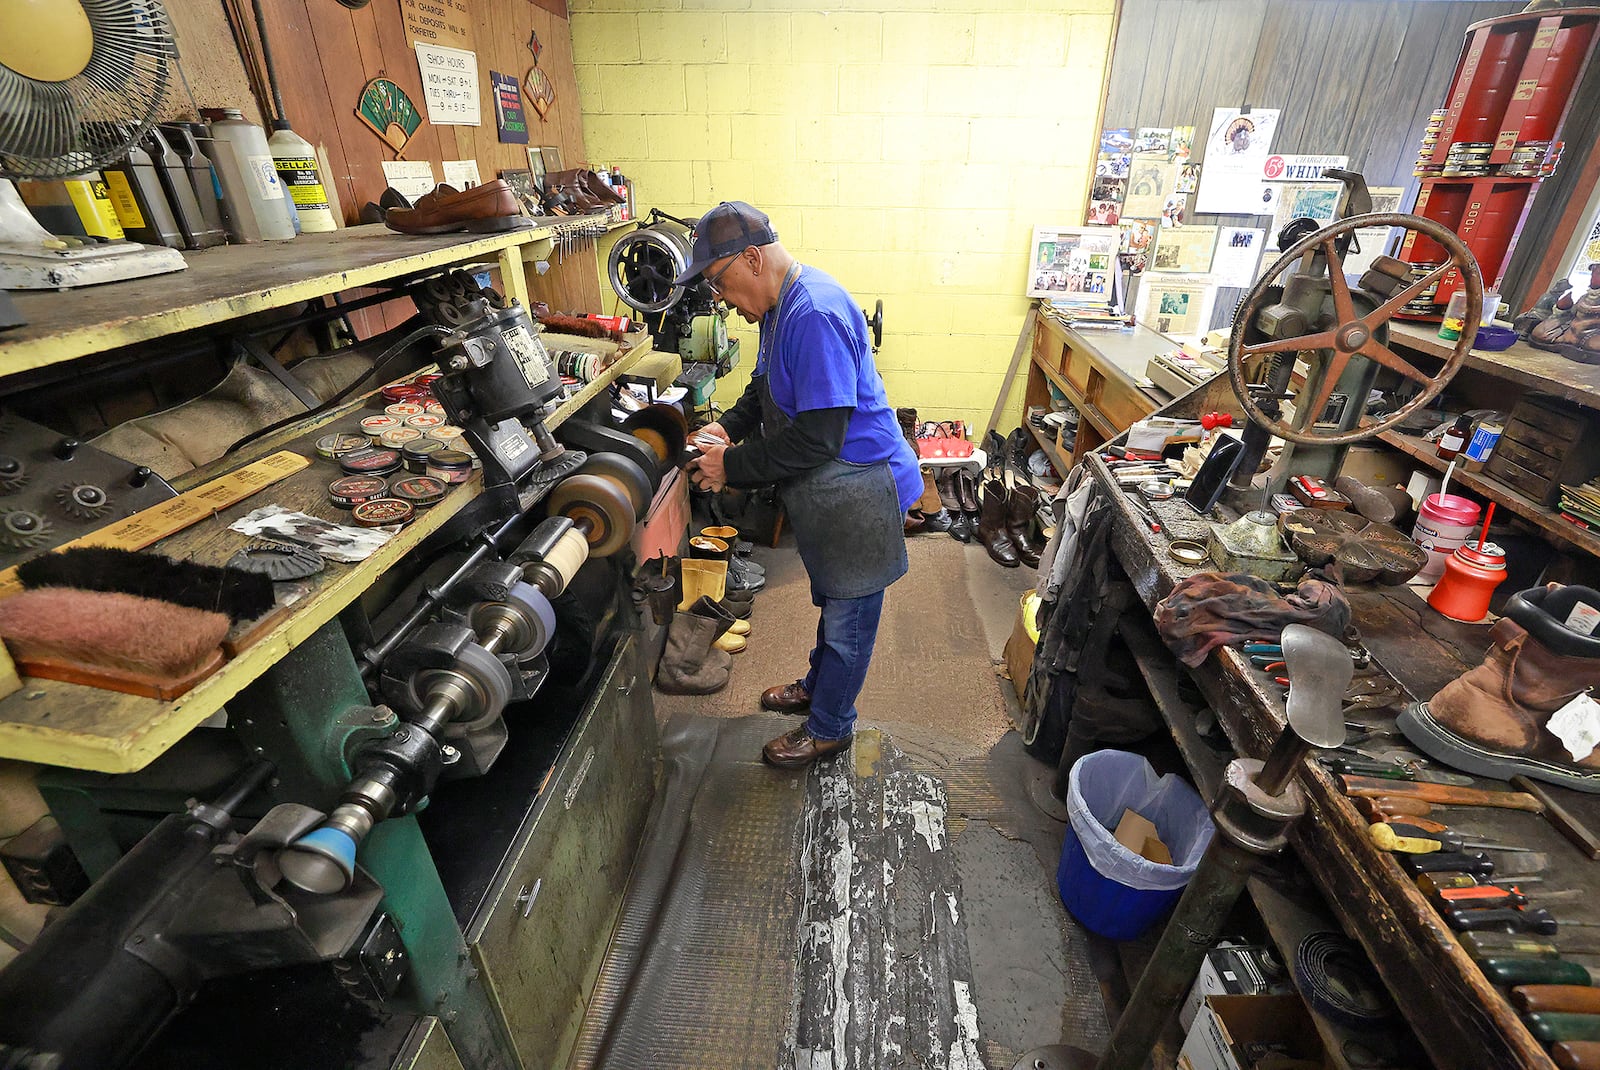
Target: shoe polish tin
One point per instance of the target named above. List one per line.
(382, 512)
(398, 437)
(416, 454)
(404, 410)
(427, 421)
(450, 466)
(374, 426)
(420, 491)
(348, 492)
(370, 462)
(332, 447)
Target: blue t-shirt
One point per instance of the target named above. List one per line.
(820, 359)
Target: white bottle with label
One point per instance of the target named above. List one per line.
(244, 144)
(296, 162)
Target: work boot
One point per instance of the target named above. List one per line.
(992, 530)
(950, 498)
(907, 419)
(1493, 720)
(787, 698)
(725, 639)
(689, 665)
(1020, 507)
(967, 491)
(796, 748)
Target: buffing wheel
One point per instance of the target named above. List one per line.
(625, 474)
(599, 508)
(662, 428)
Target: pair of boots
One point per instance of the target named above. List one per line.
(1495, 720)
(701, 642)
(958, 493)
(1005, 523)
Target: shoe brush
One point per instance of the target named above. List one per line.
(235, 593)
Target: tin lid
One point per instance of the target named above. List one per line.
(447, 458)
(419, 451)
(382, 421)
(331, 446)
(396, 437)
(426, 421)
(370, 462)
(404, 392)
(433, 407)
(1489, 556)
(446, 432)
(348, 491)
(400, 410)
(419, 490)
(381, 512)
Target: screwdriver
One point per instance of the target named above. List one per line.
(1491, 945)
(1394, 836)
(1507, 972)
(1475, 863)
(1482, 896)
(1509, 919)
(1577, 1054)
(1549, 1028)
(1437, 881)
(1563, 999)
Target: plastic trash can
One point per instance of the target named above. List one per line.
(1111, 890)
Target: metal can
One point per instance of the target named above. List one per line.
(404, 392)
(416, 454)
(450, 466)
(370, 462)
(331, 447)
(427, 421)
(398, 437)
(402, 410)
(382, 512)
(347, 492)
(374, 426)
(420, 491)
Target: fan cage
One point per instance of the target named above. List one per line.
(57, 129)
(644, 263)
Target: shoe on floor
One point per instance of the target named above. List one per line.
(730, 643)
(787, 698)
(796, 748)
(739, 627)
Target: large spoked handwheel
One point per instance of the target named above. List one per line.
(1349, 333)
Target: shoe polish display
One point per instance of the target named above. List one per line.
(992, 529)
(1495, 720)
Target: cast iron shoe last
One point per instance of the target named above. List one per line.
(1494, 720)
(482, 209)
(787, 698)
(796, 748)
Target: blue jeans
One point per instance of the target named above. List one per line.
(847, 629)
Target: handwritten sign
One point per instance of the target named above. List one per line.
(437, 22)
(449, 85)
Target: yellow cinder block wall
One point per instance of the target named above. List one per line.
(906, 147)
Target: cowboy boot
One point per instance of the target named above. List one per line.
(967, 491)
(992, 530)
(1020, 506)
(908, 426)
(1494, 719)
(950, 498)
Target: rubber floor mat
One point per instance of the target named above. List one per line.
(799, 920)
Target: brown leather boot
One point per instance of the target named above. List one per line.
(992, 530)
(787, 698)
(796, 747)
(1493, 719)
(1020, 506)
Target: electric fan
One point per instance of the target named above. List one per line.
(81, 82)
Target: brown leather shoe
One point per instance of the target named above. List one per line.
(790, 698)
(796, 748)
(486, 208)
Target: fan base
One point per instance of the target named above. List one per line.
(28, 267)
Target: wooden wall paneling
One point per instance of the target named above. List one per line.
(1562, 205)
(302, 83)
(335, 31)
(1161, 60)
(1342, 89)
(1383, 132)
(399, 63)
(208, 59)
(1125, 81)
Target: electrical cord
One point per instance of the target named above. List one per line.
(430, 331)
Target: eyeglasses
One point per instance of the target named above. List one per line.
(714, 280)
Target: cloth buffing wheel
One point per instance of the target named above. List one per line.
(629, 477)
(599, 508)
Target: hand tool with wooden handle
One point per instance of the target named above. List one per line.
(1551, 1027)
(1509, 919)
(1511, 971)
(1399, 836)
(1385, 838)
(1558, 815)
(1477, 864)
(1481, 946)
(1565, 999)
(1372, 811)
(1440, 794)
(1398, 805)
(1391, 771)
(1577, 1054)
(1431, 883)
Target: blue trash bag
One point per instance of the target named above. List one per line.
(1108, 888)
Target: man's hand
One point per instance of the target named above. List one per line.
(710, 431)
(707, 471)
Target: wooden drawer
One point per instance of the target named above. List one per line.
(1540, 488)
(1542, 465)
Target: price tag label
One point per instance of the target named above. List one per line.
(1577, 726)
(1583, 619)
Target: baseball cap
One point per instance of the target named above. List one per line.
(731, 227)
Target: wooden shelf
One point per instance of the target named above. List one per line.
(1049, 447)
(1079, 402)
(80, 727)
(237, 280)
(1537, 369)
(1508, 497)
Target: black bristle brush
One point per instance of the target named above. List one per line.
(235, 593)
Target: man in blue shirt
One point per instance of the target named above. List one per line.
(815, 421)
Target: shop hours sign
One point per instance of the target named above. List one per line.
(437, 22)
(449, 85)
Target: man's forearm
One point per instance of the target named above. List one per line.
(813, 438)
(745, 414)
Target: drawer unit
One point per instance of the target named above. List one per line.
(1546, 443)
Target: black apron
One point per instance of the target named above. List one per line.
(846, 517)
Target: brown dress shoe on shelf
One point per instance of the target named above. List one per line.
(789, 698)
(796, 748)
(482, 209)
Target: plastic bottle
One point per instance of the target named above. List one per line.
(141, 202)
(250, 178)
(296, 163)
(624, 189)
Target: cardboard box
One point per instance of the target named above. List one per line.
(1245, 1032)
(1235, 970)
(1019, 648)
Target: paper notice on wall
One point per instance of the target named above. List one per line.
(1150, 179)
(462, 174)
(1373, 242)
(1186, 249)
(1176, 305)
(449, 85)
(1237, 257)
(1237, 146)
(1317, 201)
(1280, 170)
(437, 22)
(414, 178)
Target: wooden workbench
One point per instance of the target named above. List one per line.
(1458, 1017)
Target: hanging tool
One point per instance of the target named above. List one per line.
(1507, 919)
(1441, 793)
(1387, 836)
(1564, 820)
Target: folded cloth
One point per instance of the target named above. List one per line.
(1212, 609)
